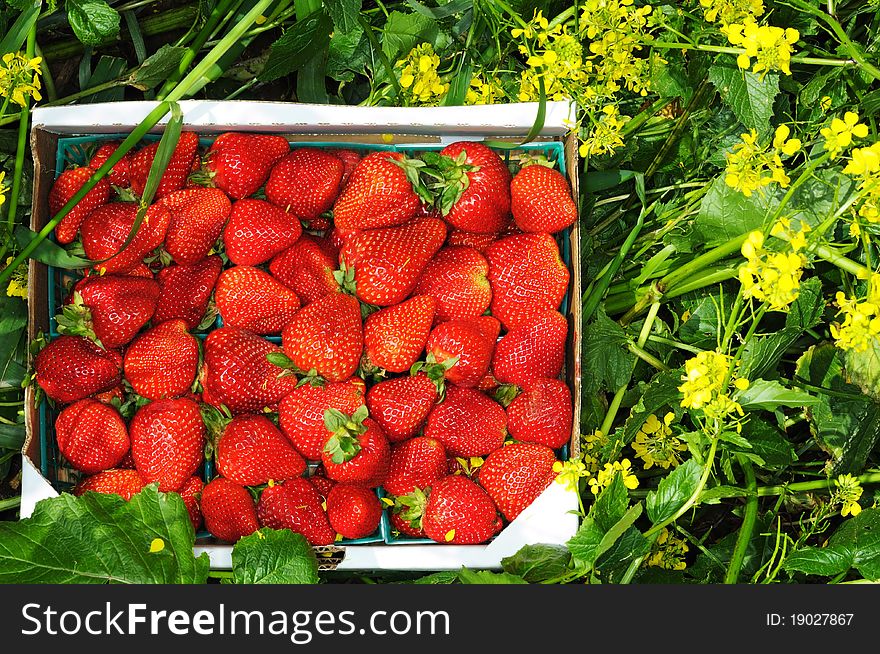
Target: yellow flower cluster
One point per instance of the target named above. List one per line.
(726, 12)
(570, 472)
(751, 167)
(839, 134)
(865, 165)
(606, 475)
(591, 448)
(861, 323)
(769, 46)
(18, 282)
(774, 277)
(706, 385)
(485, 91)
(667, 552)
(2, 187)
(605, 137)
(20, 78)
(654, 444)
(554, 57)
(419, 78)
(848, 492)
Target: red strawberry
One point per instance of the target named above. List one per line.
(387, 262)
(140, 270)
(457, 279)
(296, 505)
(257, 231)
(240, 163)
(119, 174)
(467, 423)
(229, 510)
(327, 336)
(405, 525)
(532, 351)
(541, 200)
(469, 342)
(322, 485)
(357, 451)
(402, 405)
(307, 267)
(116, 396)
(252, 299)
(516, 474)
(306, 182)
(162, 362)
(125, 483)
(527, 276)
(350, 160)
(459, 512)
(65, 187)
(178, 169)
(106, 229)
(198, 216)
(379, 193)
(251, 451)
(237, 374)
(301, 413)
(475, 240)
(91, 435)
(167, 442)
(416, 463)
(477, 193)
(542, 413)
(71, 368)
(190, 493)
(109, 309)
(394, 338)
(186, 290)
(353, 511)
(339, 237)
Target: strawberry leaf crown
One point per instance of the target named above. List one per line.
(451, 178)
(345, 278)
(75, 319)
(415, 170)
(435, 371)
(343, 445)
(411, 507)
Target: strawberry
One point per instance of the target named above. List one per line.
(416, 463)
(542, 413)
(229, 510)
(301, 412)
(125, 483)
(305, 183)
(405, 525)
(251, 451)
(476, 192)
(140, 270)
(402, 405)
(532, 351)
(350, 159)
(240, 163)
(475, 240)
(395, 337)
(459, 512)
(198, 216)
(353, 511)
(115, 396)
(357, 452)
(167, 442)
(322, 485)
(65, 187)
(186, 290)
(71, 368)
(457, 279)
(527, 276)
(91, 435)
(257, 231)
(339, 237)
(469, 343)
(467, 423)
(296, 505)
(326, 335)
(110, 309)
(387, 262)
(190, 493)
(251, 299)
(107, 228)
(237, 374)
(119, 174)
(380, 193)
(541, 200)
(162, 362)
(127, 462)
(176, 172)
(307, 267)
(516, 474)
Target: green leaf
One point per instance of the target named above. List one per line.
(823, 561)
(861, 536)
(584, 543)
(157, 68)
(17, 33)
(403, 32)
(12, 436)
(619, 529)
(13, 314)
(446, 9)
(770, 395)
(485, 577)
(863, 368)
(270, 556)
(716, 494)
(48, 252)
(297, 46)
(630, 546)
(100, 538)
(725, 213)
(537, 563)
(606, 364)
(108, 69)
(601, 180)
(673, 491)
(437, 578)
(611, 504)
(662, 391)
(768, 443)
(749, 95)
(93, 21)
(348, 54)
(344, 14)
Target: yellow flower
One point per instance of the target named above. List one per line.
(840, 134)
(751, 167)
(726, 12)
(591, 450)
(704, 388)
(772, 277)
(861, 323)
(655, 444)
(825, 102)
(418, 76)
(606, 475)
(605, 137)
(2, 187)
(848, 493)
(667, 552)
(570, 472)
(18, 282)
(769, 46)
(488, 91)
(20, 77)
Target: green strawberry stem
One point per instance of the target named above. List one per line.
(345, 278)
(415, 170)
(215, 421)
(451, 178)
(75, 319)
(506, 393)
(343, 445)
(411, 507)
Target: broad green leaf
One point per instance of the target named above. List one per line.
(606, 364)
(344, 14)
(863, 369)
(403, 32)
(485, 577)
(12, 436)
(749, 95)
(861, 536)
(100, 538)
(444, 10)
(13, 357)
(444, 577)
(770, 395)
(725, 213)
(48, 252)
(13, 314)
(108, 69)
(297, 46)
(595, 181)
(673, 491)
(768, 443)
(611, 504)
(662, 391)
(631, 545)
(17, 33)
(716, 494)
(619, 529)
(270, 556)
(348, 54)
(93, 21)
(822, 561)
(157, 67)
(820, 196)
(537, 563)
(584, 543)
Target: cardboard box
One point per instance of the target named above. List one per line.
(551, 518)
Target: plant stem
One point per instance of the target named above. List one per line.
(799, 59)
(676, 344)
(11, 503)
(748, 524)
(705, 259)
(647, 357)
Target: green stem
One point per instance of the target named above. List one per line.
(646, 356)
(748, 524)
(11, 503)
(799, 59)
(676, 344)
(695, 265)
(46, 74)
